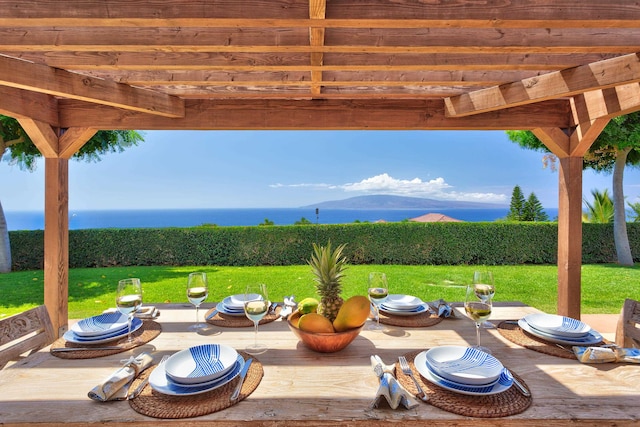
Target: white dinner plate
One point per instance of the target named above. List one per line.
(559, 326)
(505, 380)
(593, 337)
(424, 308)
(200, 363)
(236, 302)
(100, 325)
(159, 381)
(222, 308)
(70, 336)
(402, 302)
(465, 365)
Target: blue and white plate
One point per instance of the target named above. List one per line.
(222, 308)
(402, 302)
(504, 381)
(593, 337)
(160, 382)
(464, 365)
(201, 363)
(101, 325)
(559, 326)
(424, 308)
(236, 302)
(70, 336)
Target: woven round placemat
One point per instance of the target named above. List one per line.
(418, 321)
(509, 402)
(516, 335)
(147, 332)
(158, 405)
(224, 320)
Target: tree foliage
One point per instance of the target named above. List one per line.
(617, 146)
(516, 207)
(601, 210)
(525, 210)
(21, 151)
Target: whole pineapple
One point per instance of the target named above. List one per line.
(328, 267)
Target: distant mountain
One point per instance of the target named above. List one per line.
(400, 202)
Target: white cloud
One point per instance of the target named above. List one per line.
(385, 184)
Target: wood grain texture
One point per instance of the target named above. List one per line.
(303, 388)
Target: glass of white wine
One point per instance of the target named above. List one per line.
(485, 289)
(197, 292)
(129, 300)
(256, 305)
(477, 305)
(378, 292)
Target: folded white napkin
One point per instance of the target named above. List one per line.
(390, 389)
(607, 354)
(117, 384)
(146, 312)
(441, 307)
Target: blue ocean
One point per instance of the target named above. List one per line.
(229, 217)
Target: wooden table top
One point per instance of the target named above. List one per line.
(301, 387)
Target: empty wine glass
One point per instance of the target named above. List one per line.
(256, 305)
(129, 300)
(378, 292)
(197, 292)
(477, 305)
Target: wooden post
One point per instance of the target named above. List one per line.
(569, 236)
(56, 242)
(570, 145)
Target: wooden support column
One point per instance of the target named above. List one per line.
(56, 242)
(570, 146)
(57, 147)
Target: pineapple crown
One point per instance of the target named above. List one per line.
(328, 265)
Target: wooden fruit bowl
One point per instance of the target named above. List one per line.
(323, 342)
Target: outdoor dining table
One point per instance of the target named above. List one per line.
(303, 387)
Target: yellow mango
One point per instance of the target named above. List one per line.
(314, 322)
(353, 313)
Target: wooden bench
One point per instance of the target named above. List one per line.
(628, 329)
(23, 333)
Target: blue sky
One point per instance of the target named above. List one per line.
(263, 169)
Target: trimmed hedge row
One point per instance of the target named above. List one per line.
(393, 243)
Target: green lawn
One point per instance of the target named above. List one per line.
(91, 290)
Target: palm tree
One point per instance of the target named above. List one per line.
(601, 211)
(634, 214)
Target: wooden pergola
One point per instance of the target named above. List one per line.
(560, 68)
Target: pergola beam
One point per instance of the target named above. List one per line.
(572, 81)
(47, 80)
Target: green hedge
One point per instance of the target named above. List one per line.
(393, 243)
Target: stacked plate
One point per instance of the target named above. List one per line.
(559, 329)
(234, 305)
(196, 370)
(463, 370)
(100, 329)
(403, 305)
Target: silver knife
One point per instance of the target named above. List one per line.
(525, 392)
(243, 374)
(65, 349)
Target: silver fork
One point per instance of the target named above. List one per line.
(143, 384)
(406, 369)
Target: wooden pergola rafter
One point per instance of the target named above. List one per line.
(562, 69)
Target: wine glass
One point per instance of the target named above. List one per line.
(197, 292)
(256, 305)
(485, 290)
(129, 300)
(477, 305)
(378, 292)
